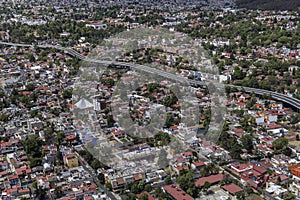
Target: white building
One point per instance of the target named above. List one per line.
(97, 26)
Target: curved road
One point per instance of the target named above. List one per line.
(275, 95)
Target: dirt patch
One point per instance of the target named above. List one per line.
(292, 139)
(254, 197)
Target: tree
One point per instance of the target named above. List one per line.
(278, 181)
(160, 194)
(4, 117)
(110, 121)
(280, 143)
(34, 113)
(67, 94)
(163, 137)
(137, 187)
(108, 186)
(96, 164)
(247, 142)
(32, 146)
(29, 87)
(40, 193)
(206, 186)
(187, 183)
(240, 196)
(60, 137)
(31, 58)
(48, 132)
(170, 120)
(58, 192)
(34, 184)
(209, 169)
(240, 113)
(168, 180)
(101, 178)
(238, 73)
(148, 188)
(143, 197)
(230, 143)
(289, 196)
(108, 81)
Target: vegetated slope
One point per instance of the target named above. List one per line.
(269, 4)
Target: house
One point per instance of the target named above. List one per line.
(35, 124)
(244, 98)
(293, 68)
(241, 168)
(212, 179)
(295, 170)
(176, 193)
(238, 132)
(250, 173)
(280, 160)
(119, 134)
(71, 137)
(273, 190)
(13, 179)
(278, 178)
(267, 140)
(121, 180)
(97, 26)
(180, 168)
(266, 164)
(197, 165)
(187, 155)
(259, 120)
(232, 189)
(23, 171)
(272, 118)
(3, 165)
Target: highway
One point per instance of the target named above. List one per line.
(275, 95)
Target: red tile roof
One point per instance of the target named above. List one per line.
(180, 168)
(273, 126)
(119, 132)
(211, 179)
(120, 181)
(177, 193)
(259, 169)
(199, 164)
(138, 177)
(71, 137)
(239, 132)
(14, 176)
(232, 188)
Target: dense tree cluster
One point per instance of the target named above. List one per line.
(52, 30)
(269, 5)
(32, 146)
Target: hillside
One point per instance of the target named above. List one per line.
(269, 4)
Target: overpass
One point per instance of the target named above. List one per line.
(293, 102)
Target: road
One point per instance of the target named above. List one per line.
(278, 96)
(91, 171)
(275, 95)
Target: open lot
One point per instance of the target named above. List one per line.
(219, 194)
